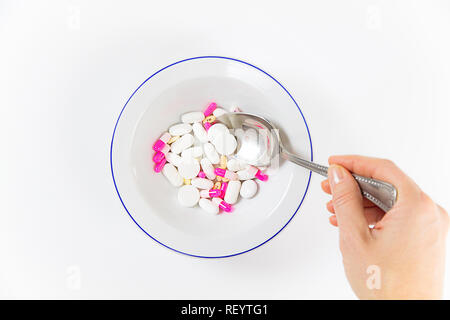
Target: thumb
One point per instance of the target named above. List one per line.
(347, 202)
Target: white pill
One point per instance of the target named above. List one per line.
(188, 196)
(236, 165)
(208, 206)
(232, 193)
(180, 129)
(202, 183)
(189, 168)
(200, 132)
(192, 152)
(248, 189)
(217, 129)
(225, 143)
(172, 174)
(173, 158)
(211, 153)
(248, 173)
(219, 112)
(183, 143)
(208, 168)
(192, 117)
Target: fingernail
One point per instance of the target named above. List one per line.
(336, 173)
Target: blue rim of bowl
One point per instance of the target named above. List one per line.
(112, 143)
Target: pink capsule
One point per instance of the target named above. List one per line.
(261, 176)
(212, 106)
(253, 172)
(160, 165)
(161, 142)
(207, 125)
(213, 193)
(158, 157)
(161, 154)
(223, 188)
(202, 175)
(223, 205)
(226, 174)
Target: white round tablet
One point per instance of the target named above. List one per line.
(189, 168)
(188, 196)
(248, 189)
(217, 129)
(225, 143)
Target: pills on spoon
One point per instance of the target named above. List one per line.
(196, 155)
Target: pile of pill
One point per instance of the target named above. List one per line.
(196, 155)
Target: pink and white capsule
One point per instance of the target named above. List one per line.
(222, 204)
(223, 188)
(212, 193)
(161, 154)
(226, 174)
(212, 106)
(261, 176)
(252, 172)
(161, 142)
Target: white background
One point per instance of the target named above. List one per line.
(373, 78)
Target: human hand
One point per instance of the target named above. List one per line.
(403, 255)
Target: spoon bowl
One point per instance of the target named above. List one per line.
(259, 144)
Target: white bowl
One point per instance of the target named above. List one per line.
(150, 200)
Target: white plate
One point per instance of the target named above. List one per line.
(150, 200)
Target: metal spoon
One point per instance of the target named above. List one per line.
(265, 145)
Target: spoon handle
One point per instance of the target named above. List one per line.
(381, 193)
